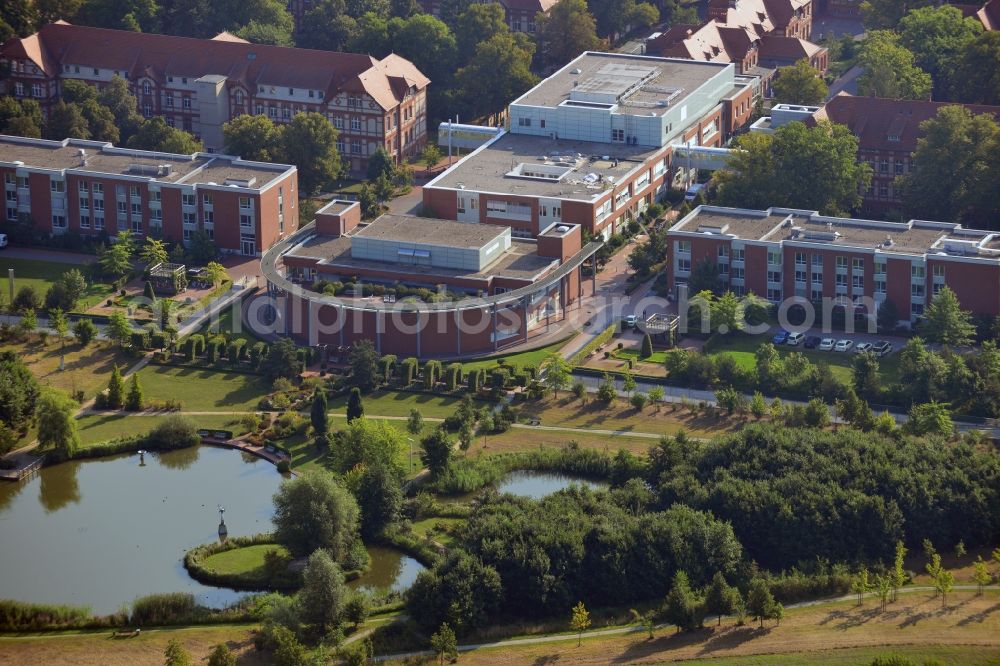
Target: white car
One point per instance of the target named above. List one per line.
(826, 344)
(863, 347)
(844, 345)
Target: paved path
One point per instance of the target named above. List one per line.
(561, 638)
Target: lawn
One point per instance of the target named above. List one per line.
(533, 357)
(87, 369)
(42, 274)
(742, 348)
(99, 428)
(532, 439)
(438, 529)
(399, 403)
(567, 411)
(203, 389)
(658, 357)
(241, 560)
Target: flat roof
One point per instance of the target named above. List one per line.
(645, 81)
(521, 261)
(487, 168)
(916, 237)
(104, 158)
(430, 231)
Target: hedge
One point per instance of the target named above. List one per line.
(140, 339)
(408, 371)
(194, 562)
(603, 338)
(387, 367)
(195, 346)
(453, 376)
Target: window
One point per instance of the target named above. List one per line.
(618, 135)
(155, 196)
(883, 165)
(133, 192)
(84, 203)
(98, 189)
(272, 112)
(841, 280)
(355, 124)
(137, 226)
(246, 221)
(936, 289)
(356, 147)
(817, 260)
(99, 205)
(858, 264)
(187, 234)
(312, 94)
(291, 92)
(82, 187)
(916, 309)
(879, 268)
(244, 202)
(341, 146)
(816, 294)
(169, 102)
(188, 199)
(98, 221)
(858, 281)
(209, 217)
(122, 207)
(58, 221)
(883, 190)
(12, 214)
(338, 122)
(206, 199)
(917, 290)
(684, 246)
(800, 258)
(800, 277)
(19, 89)
(737, 254)
(774, 276)
(841, 263)
(184, 80)
(186, 102)
(146, 89)
(239, 96)
(724, 269)
(773, 294)
(899, 166)
(918, 272)
(524, 122)
(84, 220)
(260, 109)
(57, 186)
(156, 215)
(189, 219)
(817, 278)
(36, 90)
(938, 271)
(147, 110)
(737, 273)
(12, 196)
(683, 264)
(774, 257)
(723, 252)
(879, 286)
(137, 208)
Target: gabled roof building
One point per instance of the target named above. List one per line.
(199, 84)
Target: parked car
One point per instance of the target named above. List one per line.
(3, 241)
(630, 321)
(795, 338)
(780, 338)
(881, 348)
(826, 344)
(811, 342)
(844, 345)
(693, 191)
(863, 347)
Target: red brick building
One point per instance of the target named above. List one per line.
(887, 131)
(781, 254)
(494, 291)
(200, 84)
(791, 18)
(95, 189)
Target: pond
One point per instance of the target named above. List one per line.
(537, 485)
(389, 569)
(102, 532)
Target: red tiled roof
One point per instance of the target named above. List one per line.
(874, 119)
(158, 56)
(787, 48)
(533, 6)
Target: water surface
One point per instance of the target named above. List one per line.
(102, 532)
(537, 485)
(389, 569)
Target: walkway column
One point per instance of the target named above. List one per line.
(524, 314)
(419, 330)
(593, 275)
(378, 331)
(494, 327)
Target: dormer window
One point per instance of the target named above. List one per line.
(894, 138)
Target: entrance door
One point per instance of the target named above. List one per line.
(248, 248)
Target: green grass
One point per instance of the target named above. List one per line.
(431, 527)
(226, 325)
(946, 654)
(42, 274)
(241, 560)
(306, 456)
(105, 427)
(203, 389)
(742, 348)
(399, 403)
(658, 357)
(533, 357)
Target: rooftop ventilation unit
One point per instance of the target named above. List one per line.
(152, 170)
(241, 182)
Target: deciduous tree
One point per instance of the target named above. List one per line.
(57, 422)
(156, 134)
(321, 600)
(799, 84)
(436, 451)
(580, 621)
(314, 511)
(564, 32)
(890, 69)
(309, 142)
